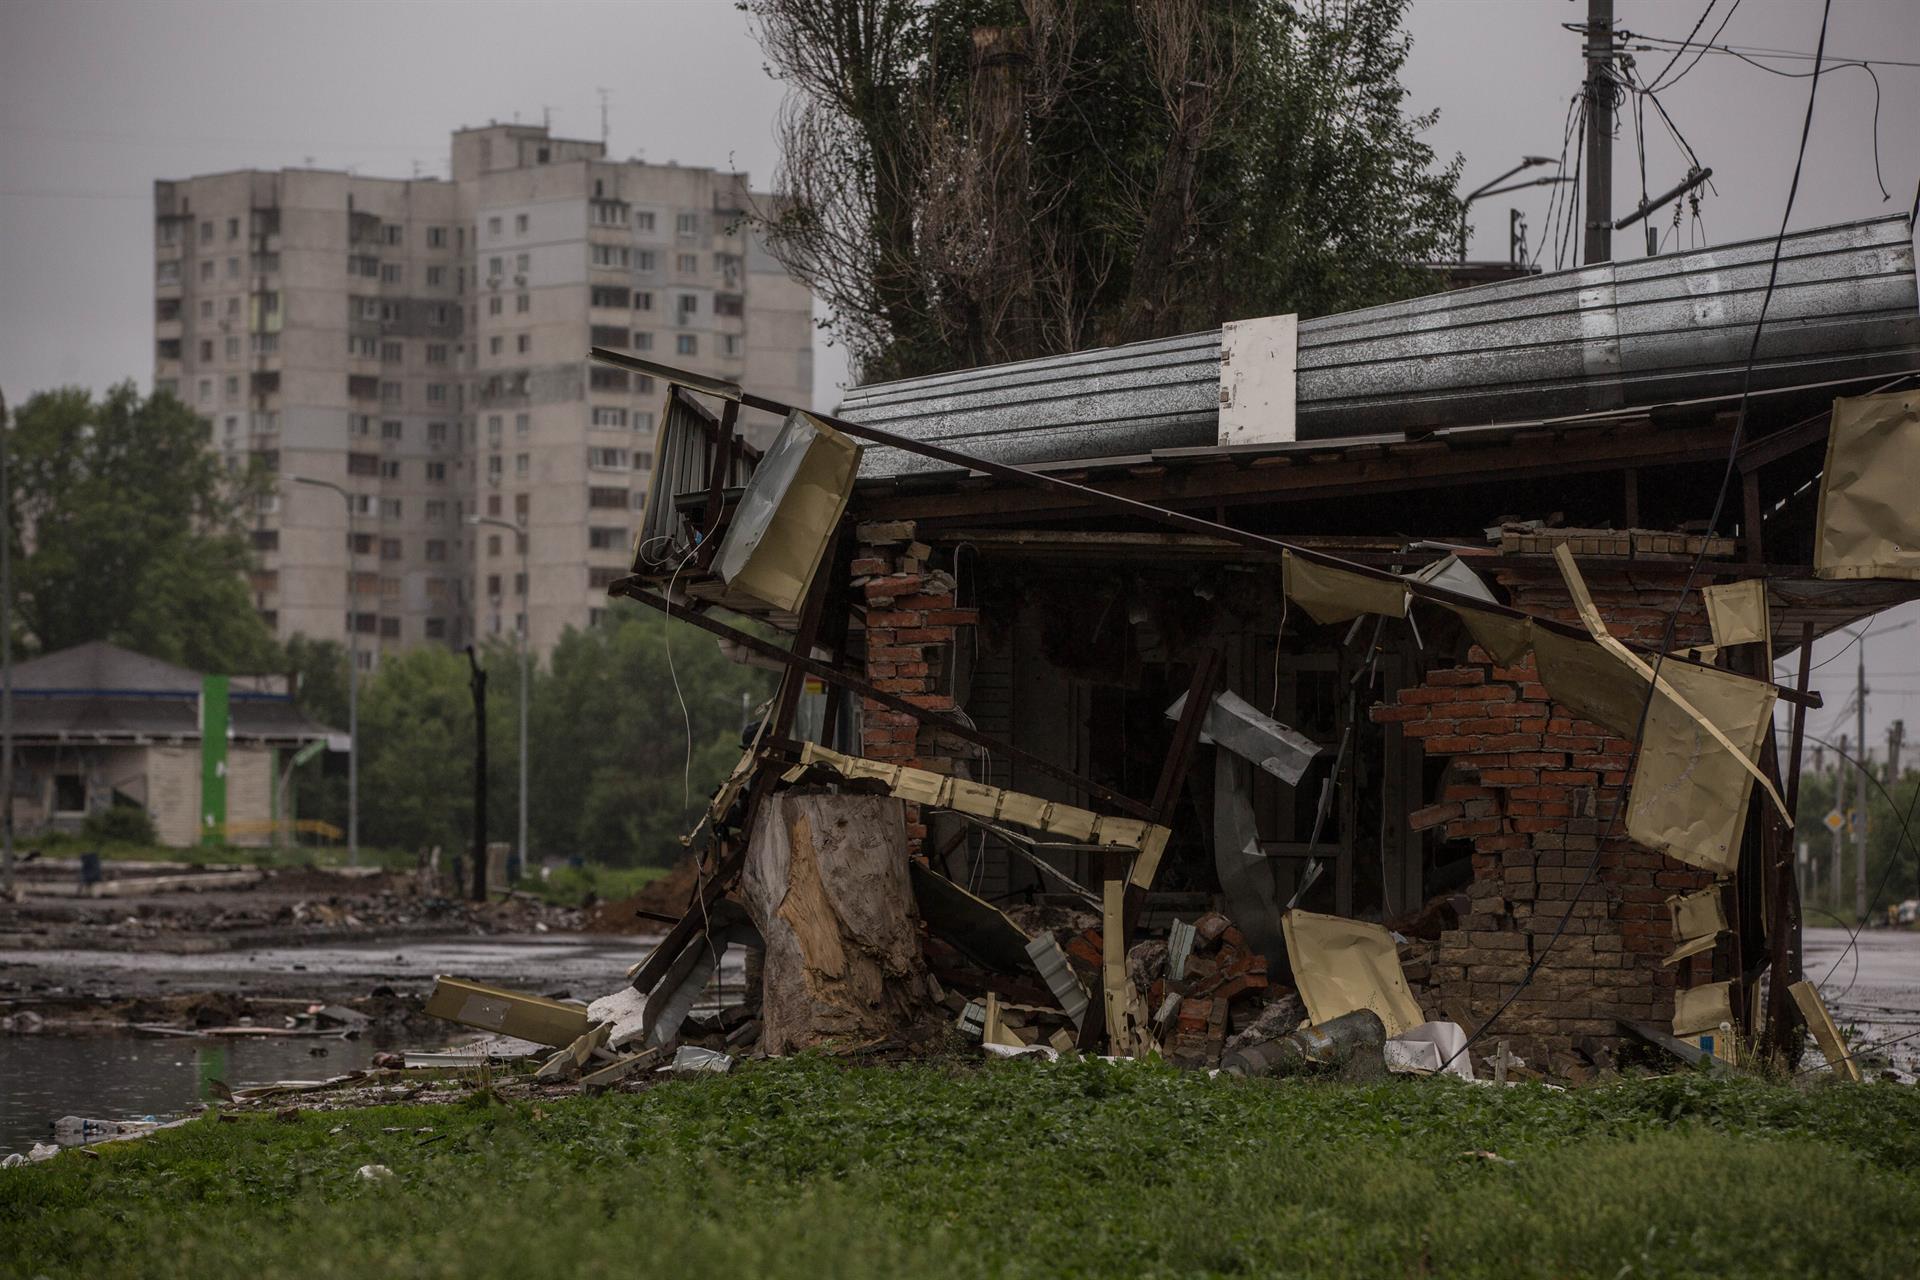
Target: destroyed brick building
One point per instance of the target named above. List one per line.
(1457, 615)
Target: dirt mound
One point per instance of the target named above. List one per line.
(668, 895)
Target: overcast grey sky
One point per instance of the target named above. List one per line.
(100, 97)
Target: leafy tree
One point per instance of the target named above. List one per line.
(613, 775)
(970, 181)
(129, 530)
(416, 744)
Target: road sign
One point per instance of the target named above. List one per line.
(1835, 820)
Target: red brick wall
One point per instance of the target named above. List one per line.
(911, 619)
(1536, 798)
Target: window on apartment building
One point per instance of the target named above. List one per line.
(610, 295)
(520, 223)
(496, 266)
(643, 220)
(265, 421)
(609, 213)
(442, 314)
(436, 435)
(391, 353)
(437, 472)
(687, 345)
(608, 416)
(521, 506)
(728, 304)
(436, 277)
(522, 424)
(522, 263)
(494, 423)
(607, 335)
(390, 589)
(166, 232)
(643, 421)
(493, 226)
(265, 344)
(523, 343)
(436, 508)
(389, 312)
(169, 272)
(687, 224)
(389, 628)
(391, 429)
(645, 259)
(206, 271)
(520, 466)
(206, 233)
(639, 499)
(642, 341)
(493, 545)
(643, 300)
(390, 469)
(643, 384)
(493, 584)
(233, 387)
(493, 504)
(496, 344)
(166, 386)
(233, 347)
(233, 425)
(600, 577)
(391, 508)
(643, 460)
(495, 468)
(687, 263)
(435, 628)
(522, 303)
(266, 539)
(270, 303)
(233, 268)
(729, 344)
(436, 393)
(206, 348)
(367, 348)
(390, 393)
(436, 353)
(265, 383)
(612, 255)
(363, 265)
(603, 459)
(606, 537)
(233, 228)
(169, 309)
(167, 349)
(360, 424)
(436, 237)
(359, 544)
(436, 550)
(390, 273)
(605, 379)
(493, 304)
(264, 264)
(606, 499)
(395, 233)
(389, 548)
(363, 464)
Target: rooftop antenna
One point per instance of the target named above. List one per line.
(546, 117)
(603, 117)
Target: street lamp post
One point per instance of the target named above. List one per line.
(525, 625)
(353, 675)
(1494, 188)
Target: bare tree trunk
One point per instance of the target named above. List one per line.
(826, 881)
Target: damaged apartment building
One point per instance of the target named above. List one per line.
(1458, 616)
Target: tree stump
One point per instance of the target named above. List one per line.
(826, 881)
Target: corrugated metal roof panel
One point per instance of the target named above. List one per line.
(1624, 334)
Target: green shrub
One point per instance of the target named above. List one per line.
(127, 823)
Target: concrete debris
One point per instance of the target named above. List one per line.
(1430, 1048)
(692, 1059)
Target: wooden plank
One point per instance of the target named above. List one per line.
(1825, 1034)
(513, 1013)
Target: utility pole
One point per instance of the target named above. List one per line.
(1896, 738)
(521, 629)
(1838, 852)
(353, 670)
(478, 684)
(1599, 96)
(1860, 782)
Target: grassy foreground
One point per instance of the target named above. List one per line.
(1083, 1168)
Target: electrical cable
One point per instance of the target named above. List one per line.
(1906, 842)
(1660, 81)
(1673, 614)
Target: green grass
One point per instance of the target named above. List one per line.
(1083, 1168)
(569, 886)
